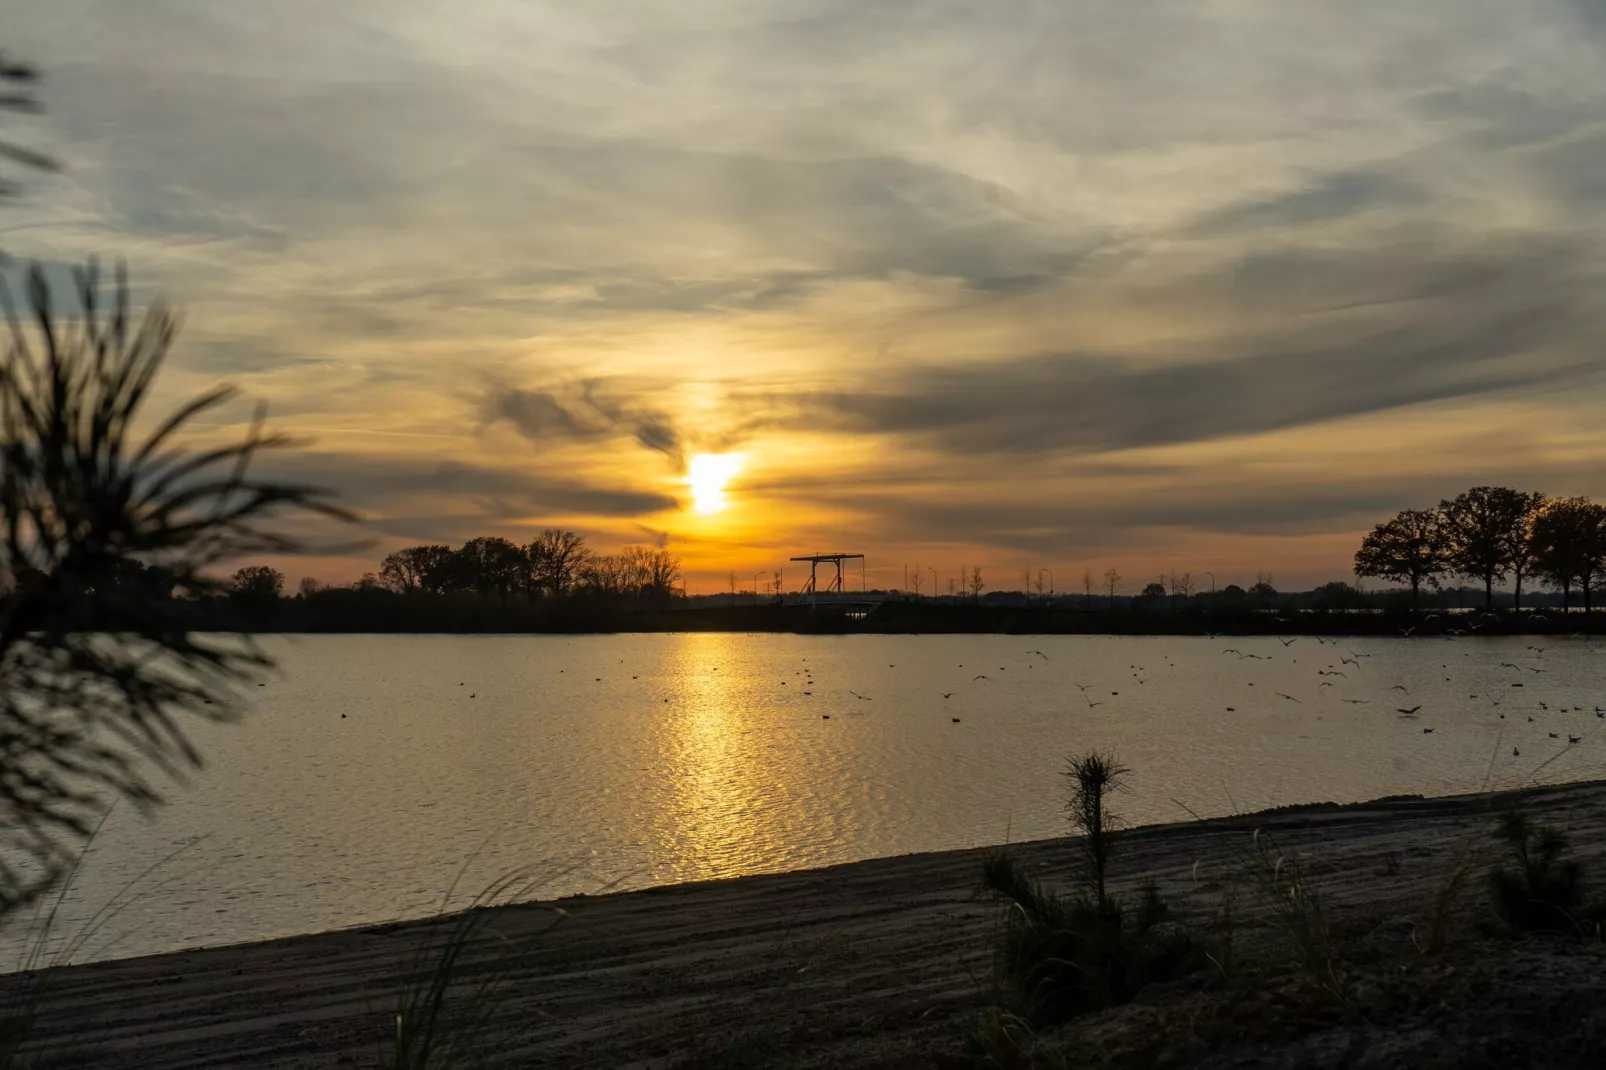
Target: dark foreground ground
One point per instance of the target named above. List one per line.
(888, 963)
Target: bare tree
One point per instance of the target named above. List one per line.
(1087, 584)
(1182, 586)
(1112, 584)
(975, 583)
(915, 579)
(557, 558)
(83, 717)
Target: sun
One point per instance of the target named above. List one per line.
(707, 475)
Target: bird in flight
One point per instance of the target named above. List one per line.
(980, 676)
(1356, 701)
(1287, 642)
(1408, 712)
(1331, 672)
(1408, 631)
(1575, 739)
(1290, 698)
(861, 698)
(1039, 653)
(1400, 687)
(1427, 731)
(1233, 650)
(948, 694)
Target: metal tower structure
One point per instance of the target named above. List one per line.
(835, 585)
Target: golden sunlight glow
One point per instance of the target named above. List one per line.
(707, 475)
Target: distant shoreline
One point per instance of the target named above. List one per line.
(899, 618)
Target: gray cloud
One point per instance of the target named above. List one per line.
(1334, 196)
(1383, 329)
(388, 483)
(589, 410)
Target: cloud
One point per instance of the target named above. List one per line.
(1331, 197)
(1380, 330)
(991, 249)
(388, 484)
(579, 412)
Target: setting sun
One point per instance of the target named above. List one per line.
(707, 475)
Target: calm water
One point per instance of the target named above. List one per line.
(626, 761)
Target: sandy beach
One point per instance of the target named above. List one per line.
(878, 963)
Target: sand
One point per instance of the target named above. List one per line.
(878, 963)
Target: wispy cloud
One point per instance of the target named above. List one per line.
(977, 251)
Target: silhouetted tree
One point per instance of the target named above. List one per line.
(1569, 543)
(1112, 584)
(492, 565)
(975, 584)
(1411, 549)
(257, 584)
(1337, 594)
(557, 559)
(1153, 590)
(404, 570)
(660, 572)
(1522, 546)
(1485, 530)
(1182, 586)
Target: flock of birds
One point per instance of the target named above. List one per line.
(1338, 671)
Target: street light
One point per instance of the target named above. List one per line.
(934, 589)
(1050, 579)
(1212, 576)
(756, 575)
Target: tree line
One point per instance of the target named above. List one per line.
(556, 564)
(1492, 534)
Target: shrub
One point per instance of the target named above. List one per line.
(1540, 890)
(1067, 954)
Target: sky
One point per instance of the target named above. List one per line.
(1206, 286)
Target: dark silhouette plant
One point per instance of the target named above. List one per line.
(1066, 954)
(97, 677)
(1540, 888)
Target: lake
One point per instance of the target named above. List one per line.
(615, 762)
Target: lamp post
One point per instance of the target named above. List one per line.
(1050, 579)
(934, 588)
(756, 575)
(1212, 576)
